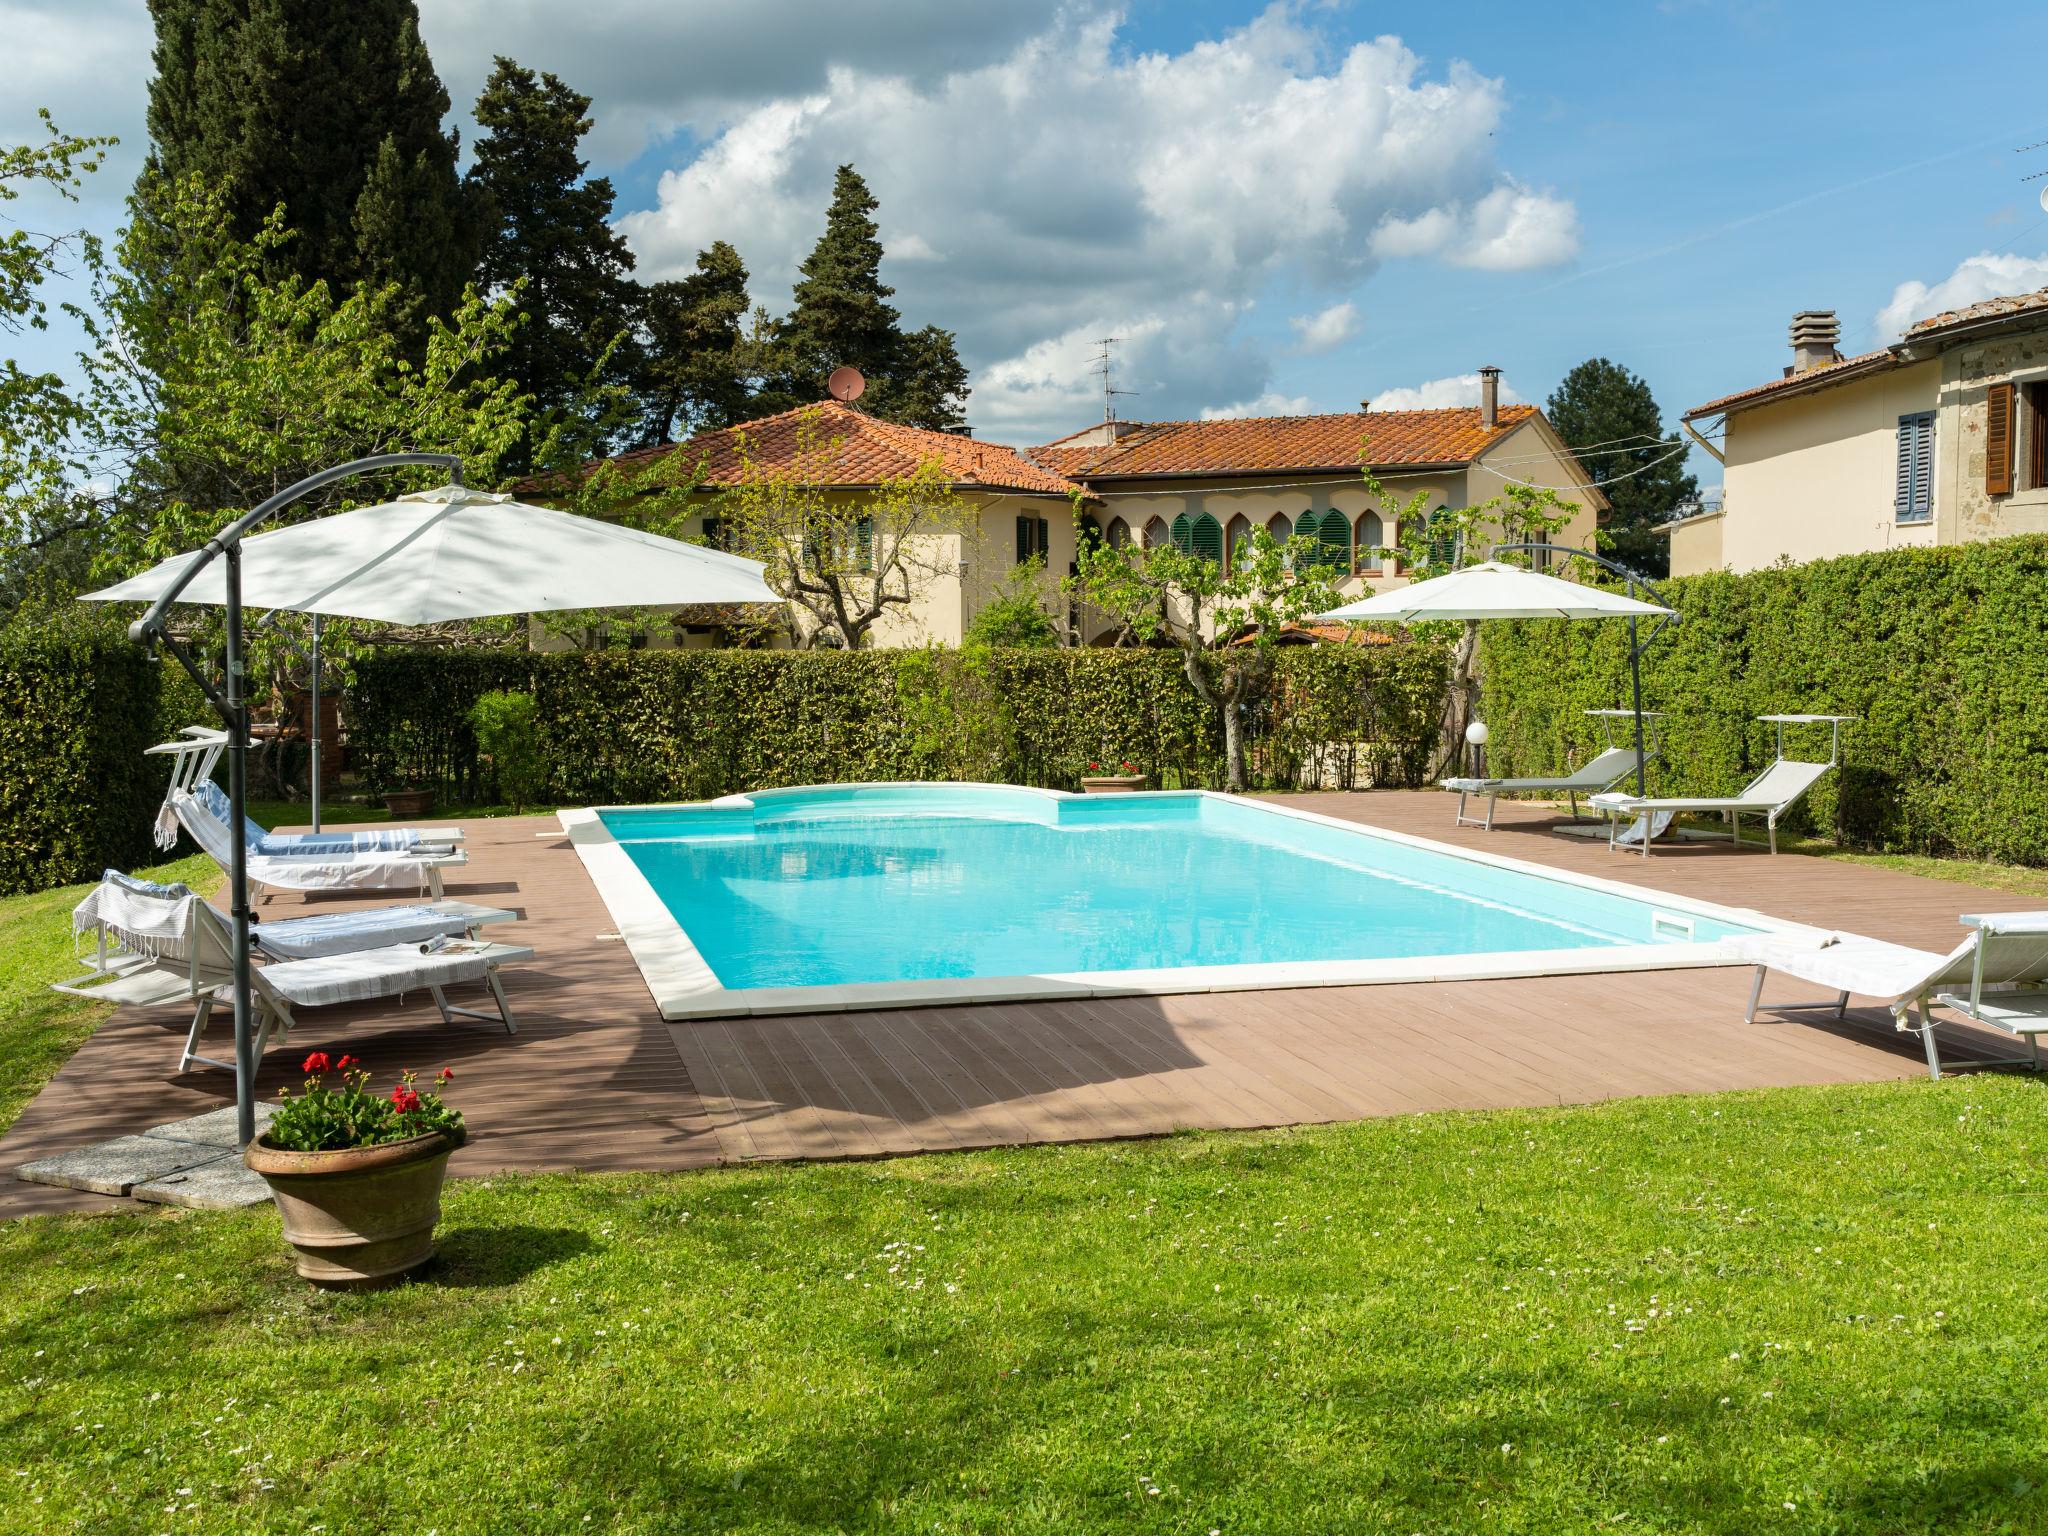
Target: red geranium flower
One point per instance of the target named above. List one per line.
(404, 1100)
(317, 1062)
(1095, 767)
(346, 1062)
(447, 1075)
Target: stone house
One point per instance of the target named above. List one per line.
(1940, 438)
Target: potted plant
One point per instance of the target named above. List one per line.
(410, 801)
(1123, 781)
(357, 1176)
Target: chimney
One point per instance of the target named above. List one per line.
(1365, 406)
(1814, 334)
(1489, 398)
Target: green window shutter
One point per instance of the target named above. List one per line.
(1023, 539)
(1183, 533)
(1333, 534)
(1443, 538)
(864, 544)
(1045, 537)
(1207, 538)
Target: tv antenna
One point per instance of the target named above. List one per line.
(2036, 175)
(1104, 366)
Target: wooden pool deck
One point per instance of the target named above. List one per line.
(596, 1080)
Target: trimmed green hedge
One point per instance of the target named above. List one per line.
(687, 725)
(78, 706)
(1942, 652)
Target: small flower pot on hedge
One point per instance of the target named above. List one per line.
(357, 1176)
(1124, 781)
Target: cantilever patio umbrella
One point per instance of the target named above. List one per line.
(1496, 590)
(449, 553)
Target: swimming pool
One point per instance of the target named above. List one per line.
(855, 896)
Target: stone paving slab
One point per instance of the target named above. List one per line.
(225, 1184)
(194, 1162)
(213, 1129)
(116, 1167)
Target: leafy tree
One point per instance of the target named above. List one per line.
(1608, 412)
(1225, 622)
(1016, 615)
(40, 419)
(194, 414)
(546, 222)
(331, 108)
(696, 354)
(843, 317)
(842, 561)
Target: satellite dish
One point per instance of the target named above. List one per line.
(2044, 199)
(845, 385)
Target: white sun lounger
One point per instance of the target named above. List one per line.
(1997, 977)
(161, 944)
(1770, 794)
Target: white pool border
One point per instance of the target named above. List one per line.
(685, 986)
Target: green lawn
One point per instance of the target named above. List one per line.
(1788, 1311)
(1794, 1311)
(39, 1028)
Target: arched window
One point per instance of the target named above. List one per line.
(1205, 537)
(1332, 532)
(1156, 535)
(1372, 537)
(1119, 533)
(1281, 526)
(1088, 532)
(1183, 533)
(1235, 538)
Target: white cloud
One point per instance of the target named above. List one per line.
(1327, 330)
(1272, 403)
(1042, 182)
(1067, 189)
(1435, 394)
(1974, 279)
(1507, 230)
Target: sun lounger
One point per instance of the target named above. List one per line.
(1595, 775)
(328, 844)
(161, 944)
(1997, 977)
(386, 870)
(1770, 794)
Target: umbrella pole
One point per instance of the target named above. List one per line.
(1635, 689)
(316, 722)
(238, 856)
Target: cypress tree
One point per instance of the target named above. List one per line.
(546, 221)
(1608, 411)
(843, 317)
(331, 108)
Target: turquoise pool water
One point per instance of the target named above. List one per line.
(897, 883)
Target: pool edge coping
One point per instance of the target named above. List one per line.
(684, 986)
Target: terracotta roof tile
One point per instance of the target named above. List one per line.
(1264, 444)
(1829, 373)
(856, 449)
(1986, 309)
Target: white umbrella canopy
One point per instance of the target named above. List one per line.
(455, 553)
(1495, 591)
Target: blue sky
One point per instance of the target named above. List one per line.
(1284, 208)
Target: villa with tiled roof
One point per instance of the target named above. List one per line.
(1207, 483)
(1939, 438)
(1203, 484)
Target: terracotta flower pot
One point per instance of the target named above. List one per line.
(361, 1216)
(1112, 783)
(409, 802)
